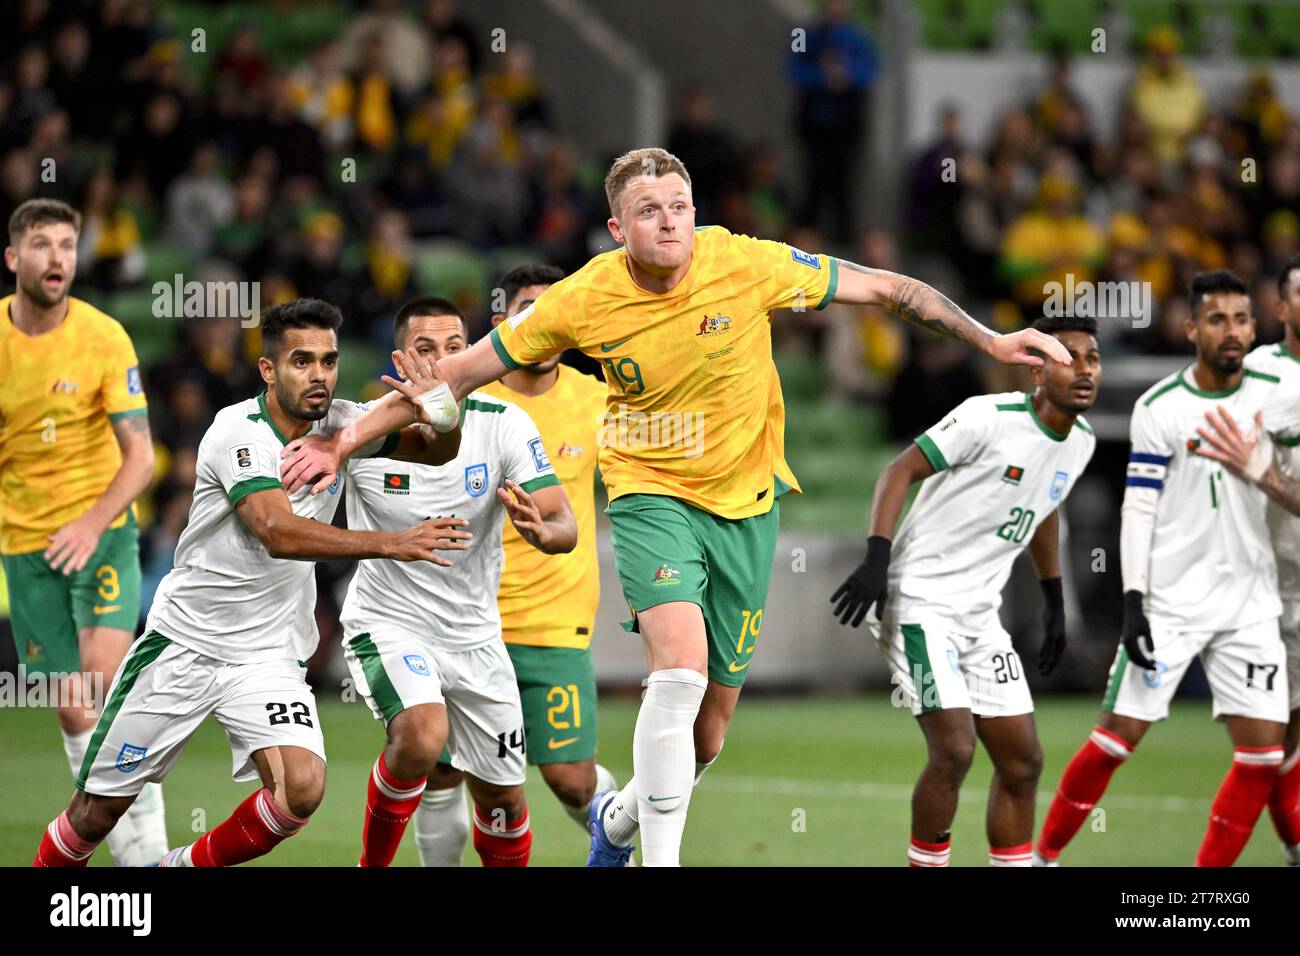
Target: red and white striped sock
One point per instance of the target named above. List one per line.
(253, 830)
(390, 802)
(507, 844)
(920, 853)
(1238, 804)
(1081, 786)
(1020, 855)
(61, 846)
(1284, 804)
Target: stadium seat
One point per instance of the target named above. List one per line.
(452, 270)
(154, 338)
(1065, 26)
(959, 24)
(1266, 30)
(1186, 18)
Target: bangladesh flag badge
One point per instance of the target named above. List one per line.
(395, 484)
(1013, 474)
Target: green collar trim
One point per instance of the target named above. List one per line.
(1201, 393)
(1051, 433)
(264, 414)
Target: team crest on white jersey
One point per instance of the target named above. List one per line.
(417, 664)
(1059, 481)
(476, 479)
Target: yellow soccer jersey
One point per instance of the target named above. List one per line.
(549, 600)
(58, 392)
(694, 407)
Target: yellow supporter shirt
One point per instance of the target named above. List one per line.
(58, 392)
(550, 600)
(694, 407)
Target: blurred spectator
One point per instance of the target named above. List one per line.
(443, 21)
(518, 85)
(935, 188)
(375, 116)
(708, 152)
(240, 62)
(1049, 242)
(198, 203)
(486, 180)
(109, 251)
(324, 96)
(17, 181)
(831, 78)
(315, 268)
(386, 279)
(32, 94)
(560, 209)
(243, 239)
(408, 56)
(1167, 98)
(73, 82)
(296, 145)
(159, 146)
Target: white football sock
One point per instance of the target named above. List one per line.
(441, 826)
(663, 756)
(620, 817)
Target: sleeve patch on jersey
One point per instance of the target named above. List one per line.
(243, 459)
(1139, 482)
(1148, 458)
(133, 386)
(514, 320)
(540, 460)
(807, 258)
(1147, 470)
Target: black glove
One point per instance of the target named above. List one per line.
(1053, 625)
(866, 585)
(1136, 633)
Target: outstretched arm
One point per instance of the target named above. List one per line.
(920, 304)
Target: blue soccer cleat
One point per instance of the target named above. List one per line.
(603, 851)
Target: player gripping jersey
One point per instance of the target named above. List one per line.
(994, 472)
(1199, 579)
(693, 457)
(232, 624)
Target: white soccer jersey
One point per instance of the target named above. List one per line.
(1000, 471)
(456, 606)
(1283, 526)
(1211, 565)
(226, 597)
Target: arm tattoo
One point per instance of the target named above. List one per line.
(124, 428)
(1282, 489)
(920, 304)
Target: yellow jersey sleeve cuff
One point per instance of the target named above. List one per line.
(834, 266)
(499, 347)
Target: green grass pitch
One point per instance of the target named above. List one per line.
(807, 781)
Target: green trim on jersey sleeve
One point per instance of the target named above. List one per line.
(832, 285)
(114, 416)
(502, 354)
(391, 441)
(541, 481)
(1167, 387)
(248, 486)
(474, 405)
(1290, 442)
(931, 452)
(1011, 407)
(1082, 423)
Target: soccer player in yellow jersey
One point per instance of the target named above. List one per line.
(75, 453)
(692, 451)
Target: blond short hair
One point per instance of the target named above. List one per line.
(646, 161)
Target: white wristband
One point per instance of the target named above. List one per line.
(1260, 459)
(441, 407)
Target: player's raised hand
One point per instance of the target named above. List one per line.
(72, 545)
(423, 386)
(1013, 348)
(1246, 456)
(866, 585)
(1136, 632)
(420, 542)
(311, 458)
(1053, 625)
(524, 513)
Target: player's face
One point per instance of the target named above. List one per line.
(1072, 387)
(1222, 329)
(435, 335)
(45, 262)
(1288, 307)
(525, 297)
(305, 372)
(657, 224)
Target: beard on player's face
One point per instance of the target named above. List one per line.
(35, 290)
(292, 397)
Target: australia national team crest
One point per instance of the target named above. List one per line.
(130, 757)
(1059, 481)
(476, 479)
(417, 664)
